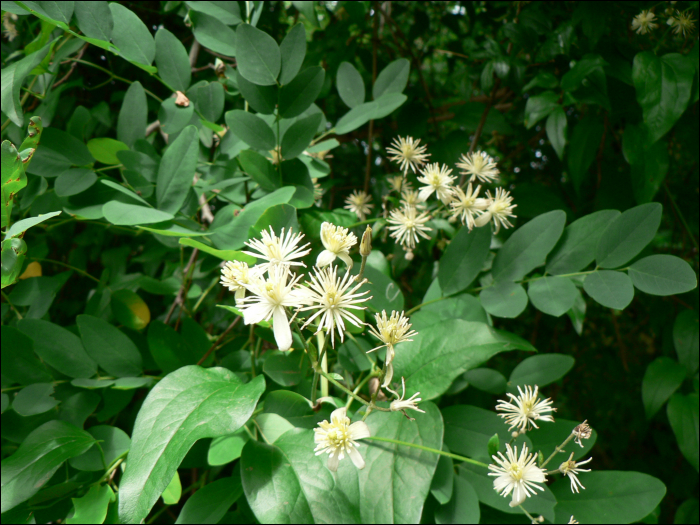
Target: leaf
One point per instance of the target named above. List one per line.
(486, 380)
(123, 214)
(685, 339)
(392, 79)
(272, 426)
(295, 173)
(540, 106)
(124, 190)
(528, 247)
(628, 235)
(130, 310)
(663, 275)
(431, 361)
(210, 403)
(540, 370)
(443, 480)
(258, 55)
(105, 149)
(251, 129)
(20, 227)
(583, 147)
(299, 136)
(66, 147)
(214, 34)
(109, 347)
(504, 299)
(610, 497)
(13, 77)
(260, 170)
(464, 306)
(552, 434)
(40, 455)
(172, 60)
(661, 379)
(611, 289)
(682, 413)
(351, 87)
(262, 99)
(226, 449)
(227, 12)
(210, 503)
(176, 171)
(19, 364)
(95, 19)
(208, 97)
(92, 507)
(463, 507)
(297, 96)
(173, 492)
(59, 347)
(285, 368)
(463, 259)
(13, 179)
(292, 53)
(34, 399)
(649, 163)
(386, 294)
(576, 248)
(113, 441)
(131, 36)
(360, 115)
(131, 125)
(552, 295)
(226, 255)
(276, 217)
(556, 130)
(174, 118)
(74, 181)
(663, 86)
(573, 78)
(307, 8)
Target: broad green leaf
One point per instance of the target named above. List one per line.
(172, 60)
(213, 33)
(124, 190)
(173, 492)
(528, 247)
(360, 115)
(583, 146)
(109, 347)
(13, 77)
(682, 413)
(131, 125)
(38, 457)
(262, 99)
(38, 293)
(443, 480)
(295, 173)
(189, 404)
(611, 289)
(486, 380)
(351, 87)
(92, 507)
(552, 295)
(66, 147)
(20, 227)
(223, 450)
(543, 79)
(208, 97)
(95, 19)
(165, 345)
(392, 79)
(14, 252)
(556, 130)
(463, 306)
(628, 235)
(124, 214)
(258, 55)
(130, 310)
(576, 248)
(685, 339)
(59, 347)
(540, 106)
(431, 361)
(57, 11)
(540, 370)
(131, 36)
(19, 364)
(210, 503)
(226, 255)
(299, 136)
(551, 435)
(272, 426)
(286, 369)
(74, 181)
(227, 12)
(663, 85)
(171, 229)
(130, 383)
(308, 9)
(573, 78)
(105, 149)
(113, 441)
(649, 163)
(504, 299)
(292, 53)
(463, 507)
(276, 217)
(13, 179)
(662, 378)
(463, 259)
(34, 399)
(663, 275)
(260, 169)
(386, 294)
(251, 129)
(610, 497)
(298, 95)
(174, 118)
(176, 171)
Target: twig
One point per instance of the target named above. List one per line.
(19, 315)
(194, 52)
(72, 68)
(181, 293)
(375, 37)
(680, 216)
(221, 338)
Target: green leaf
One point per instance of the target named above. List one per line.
(504, 299)
(251, 129)
(226, 255)
(223, 450)
(486, 380)
(131, 36)
(227, 12)
(109, 347)
(308, 9)
(610, 497)
(685, 339)
(34, 399)
(556, 130)
(611, 289)
(292, 53)
(13, 178)
(351, 87)
(258, 57)
(124, 214)
(386, 294)
(210, 403)
(583, 147)
(262, 99)
(463, 507)
(124, 190)
(38, 457)
(443, 480)
(552, 434)
(131, 125)
(19, 364)
(552, 295)
(573, 78)
(528, 247)
(276, 217)
(431, 361)
(543, 79)
(360, 115)
(576, 248)
(20, 227)
(463, 259)
(174, 118)
(74, 181)
(661, 379)
(540, 106)
(59, 347)
(392, 79)
(92, 507)
(172, 60)
(295, 173)
(130, 310)
(649, 163)
(540, 370)
(663, 275)
(297, 96)
(105, 149)
(95, 19)
(214, 34)
(13, 77)
(628, 235)
(208, 97)
(464, 306)
(663, 86)
(285, 368)
(66, 147)
(114, 442)
(210, 503)
(173, 492)
(272, 426)
(299, 136)
(13, 254)
(176, 171)
(682, 413)
(260, 170)
(494, 444)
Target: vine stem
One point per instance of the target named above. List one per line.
(557, 450)
(680, 216)
(428, 449)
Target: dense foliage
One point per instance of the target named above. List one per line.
(166, 358)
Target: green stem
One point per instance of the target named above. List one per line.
(680, 216)
(350, 393)
(81, 272)
(557, 450)
(321, 136)
(115, 77)
(368, 221)
(533, 520)
(433, 450)
(424, 304)
(359, 387)
(19, 315)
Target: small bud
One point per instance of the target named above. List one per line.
(582, 431)
(409, 256)
(181, 99)
(219, 68)
(366, 242)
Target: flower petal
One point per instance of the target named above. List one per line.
(255, 313)
(280, 325)
(356, 458)
(389, 375)
(346, 259)
(338, 413)
(325, 258)
(333, 461)
(358, 430)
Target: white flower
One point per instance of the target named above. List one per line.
(339, 437)
(437, 179)
(410, 403)
(408, 153)
(683, 22)
(398, 183)
(499, 209)
(236, 274)
(278, 251)
(582, 431)
(359, 203)
(392, 331)
(333, 299)
(644, 22)
(479, 165)
(407, 226)
(467, 205)
(269, 300)
(337, 243)
(572, 521)
(518, 475)
(526, 410)
(571, 468)
(411, 198)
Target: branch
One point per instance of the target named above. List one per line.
(179, 299)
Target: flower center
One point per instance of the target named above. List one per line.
(515, 471)
(337, 438)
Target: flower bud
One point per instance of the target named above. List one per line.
(366, 242)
